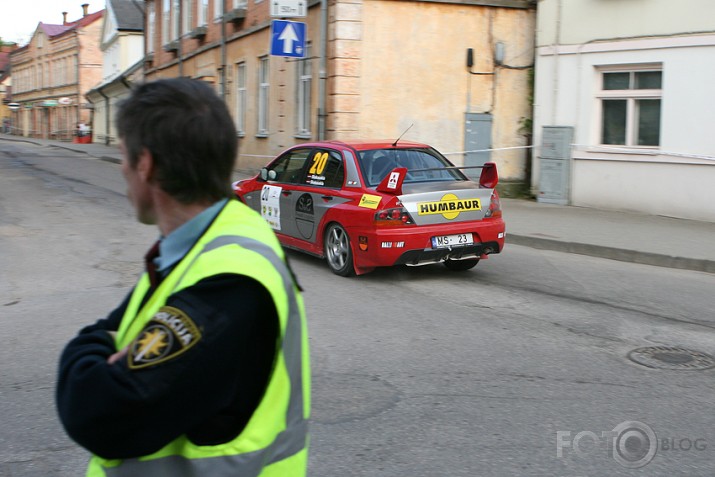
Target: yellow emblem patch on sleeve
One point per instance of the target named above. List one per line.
(169, 333)
(370, 201)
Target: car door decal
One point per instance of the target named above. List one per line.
(305, 216)
(270, 205)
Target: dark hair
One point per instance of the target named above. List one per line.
(188, 131)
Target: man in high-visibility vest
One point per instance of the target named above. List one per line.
(203, 370)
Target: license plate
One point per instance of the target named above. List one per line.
(442, 241)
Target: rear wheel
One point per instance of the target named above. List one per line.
(461, 265)
(338, 252)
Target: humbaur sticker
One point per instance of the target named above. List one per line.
(271, 205)
(169, 333)
(450, 206)
(370, 201)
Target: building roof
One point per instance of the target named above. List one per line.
(129, 15)
(52, 30)
(86, 20)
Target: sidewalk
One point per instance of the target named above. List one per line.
(629, 237)
(624, 236)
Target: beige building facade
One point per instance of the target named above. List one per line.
(52, 73)
(373, 69)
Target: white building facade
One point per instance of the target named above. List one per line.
(634, 82)
(122, 45)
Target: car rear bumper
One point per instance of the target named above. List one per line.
(436, 255)
(412, 245)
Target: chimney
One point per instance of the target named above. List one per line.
(85, 6)
(64, 18)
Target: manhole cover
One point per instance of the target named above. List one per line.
(666, 357)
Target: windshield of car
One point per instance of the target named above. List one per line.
(423, 165)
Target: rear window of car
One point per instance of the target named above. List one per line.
(423, 165)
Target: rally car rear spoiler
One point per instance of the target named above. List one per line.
(392, 183)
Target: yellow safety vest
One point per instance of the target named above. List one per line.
(275, 440)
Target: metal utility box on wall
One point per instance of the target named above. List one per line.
(477, 136)
(555, 164)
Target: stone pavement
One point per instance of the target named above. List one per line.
(624, 236)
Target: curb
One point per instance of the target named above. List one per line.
(612, 253)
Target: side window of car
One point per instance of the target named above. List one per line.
(325, 168)
(288, 167)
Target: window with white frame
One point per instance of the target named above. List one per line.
(218, 9)
(187, 16)
(241, 97)
(165, 22)
(630, 103)
(203, 13)
(304, 77)
(175, 19)
(151, 15)
(240, 4)
(263, 90)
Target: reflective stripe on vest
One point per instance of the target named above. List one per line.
(287, 443)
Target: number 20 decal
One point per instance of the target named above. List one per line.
(320, 160)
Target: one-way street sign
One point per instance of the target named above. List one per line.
(287, 38)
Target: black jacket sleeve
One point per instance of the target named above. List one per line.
(207, 392)
(112, 321)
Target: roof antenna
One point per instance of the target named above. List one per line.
(394, 144)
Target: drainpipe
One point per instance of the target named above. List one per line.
(556, 52)
(222, 78)
(323, 74)
(79, 82)
(179, 49)
(107, 116)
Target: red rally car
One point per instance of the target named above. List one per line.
(368, 204)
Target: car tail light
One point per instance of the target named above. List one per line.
(393, 216)
(494, 206)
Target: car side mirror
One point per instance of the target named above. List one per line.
(268, 175)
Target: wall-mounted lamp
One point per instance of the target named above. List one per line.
(470, 58)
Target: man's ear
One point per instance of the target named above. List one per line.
(145, 165)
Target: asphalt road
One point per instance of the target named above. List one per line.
(517, 367)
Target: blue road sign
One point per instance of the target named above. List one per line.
(287, 38)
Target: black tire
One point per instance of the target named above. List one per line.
(338, 253)
(461, 265)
